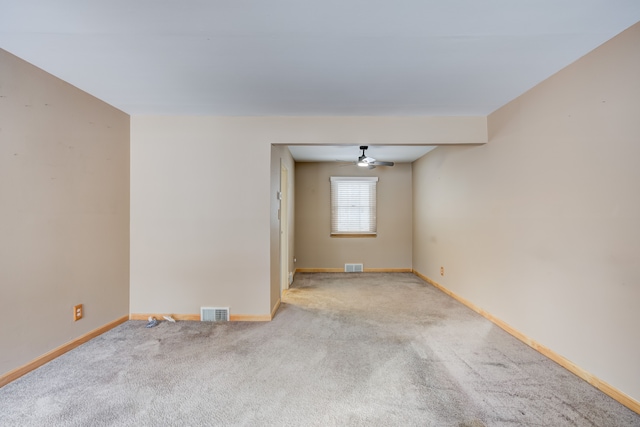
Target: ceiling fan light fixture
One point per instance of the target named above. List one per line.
(369, 162)
(362, 160)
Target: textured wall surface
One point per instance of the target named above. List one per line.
(315, 248)
(539, 227)
(64, 212)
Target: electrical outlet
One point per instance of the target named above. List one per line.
(77, 312)
(442, 271)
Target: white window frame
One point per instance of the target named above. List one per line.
(353, 206)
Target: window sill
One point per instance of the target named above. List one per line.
(351, 235)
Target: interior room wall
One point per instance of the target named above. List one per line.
(281, 156)
(64, 212)
(201, 199)
(539, 227)
(390, 249)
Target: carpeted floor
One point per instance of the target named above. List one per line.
(344, 349)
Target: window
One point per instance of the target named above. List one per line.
(353, 206)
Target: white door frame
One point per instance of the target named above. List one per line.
(284, 227)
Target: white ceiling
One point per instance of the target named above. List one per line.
(301, 58)
(350, 153)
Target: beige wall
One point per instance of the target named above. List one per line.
(540, 227)
(202, 216)
(315, 248)
(64, 212)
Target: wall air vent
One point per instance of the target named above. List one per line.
(353, 268)
(214, 314)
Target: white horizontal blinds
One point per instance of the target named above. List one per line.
(353, 205)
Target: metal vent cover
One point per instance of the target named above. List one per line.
(214, 314)
(353, 268)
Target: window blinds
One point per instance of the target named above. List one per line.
(353, 205)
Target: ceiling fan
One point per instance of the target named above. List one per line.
(369, 162)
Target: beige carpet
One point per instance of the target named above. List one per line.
(344, 350)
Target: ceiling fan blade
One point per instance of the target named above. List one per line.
(371, 166)
(382, 163)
